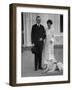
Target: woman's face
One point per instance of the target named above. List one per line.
(49, 25)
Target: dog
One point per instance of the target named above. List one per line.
(52, 65)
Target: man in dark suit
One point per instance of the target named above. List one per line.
(37, 37)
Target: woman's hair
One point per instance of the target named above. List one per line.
(49, 21)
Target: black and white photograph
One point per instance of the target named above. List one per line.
(40, 44)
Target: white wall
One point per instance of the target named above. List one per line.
(4, 45)
(29, 19)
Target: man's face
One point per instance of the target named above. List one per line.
(38, 20)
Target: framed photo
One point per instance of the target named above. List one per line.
(39, 44)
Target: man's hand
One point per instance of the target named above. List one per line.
(33, 45)
(41, 39)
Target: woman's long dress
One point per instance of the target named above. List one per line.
(48, 50)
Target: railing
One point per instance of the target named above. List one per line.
(58, 40)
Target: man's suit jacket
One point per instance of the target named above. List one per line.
(37, 33)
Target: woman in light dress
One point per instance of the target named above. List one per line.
(50, 64)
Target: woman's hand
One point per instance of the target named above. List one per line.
(52, 40)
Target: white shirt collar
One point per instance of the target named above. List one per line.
(38, 24)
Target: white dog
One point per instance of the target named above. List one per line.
(53, 65)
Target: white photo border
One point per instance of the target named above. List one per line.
(63, 77)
